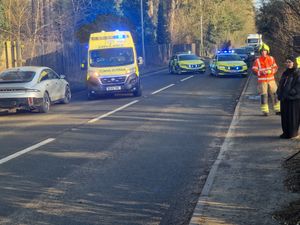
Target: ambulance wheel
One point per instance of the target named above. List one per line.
(138, 92)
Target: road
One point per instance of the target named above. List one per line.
(120, 160)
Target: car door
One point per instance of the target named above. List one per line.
(58, 85)
(47, 83)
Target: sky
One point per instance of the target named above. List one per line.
(256, 3)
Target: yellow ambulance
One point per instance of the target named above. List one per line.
(112, 65)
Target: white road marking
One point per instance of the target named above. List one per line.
(228, 142)
(26, 150)
(112, 112)
(187, 78)
(162, 89)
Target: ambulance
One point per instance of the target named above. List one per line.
(112, 65)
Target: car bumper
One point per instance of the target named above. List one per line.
(20, 103)
(235, 73)
(192, 70)
(112, 88)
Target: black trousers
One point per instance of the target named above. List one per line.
(290, 117)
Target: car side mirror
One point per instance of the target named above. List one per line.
(62, 77)
(140, 60)
(83, 65)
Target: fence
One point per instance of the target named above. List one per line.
(66, 59)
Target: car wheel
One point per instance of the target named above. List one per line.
(68, 95)
(178, 70)
(45, 107)
(90, 95)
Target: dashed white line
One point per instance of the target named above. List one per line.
(112, 112)
(162, 89)
(26, 150)
(186, 78)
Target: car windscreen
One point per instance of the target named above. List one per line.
(229, 58)
(188, 57)
(111, 57)
(253, 41)
(16, 76)
(249, 49)
(240, 51)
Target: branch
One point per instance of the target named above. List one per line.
(292, 7)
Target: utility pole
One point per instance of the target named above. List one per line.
(143, 33)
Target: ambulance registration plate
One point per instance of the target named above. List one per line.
(113, 88)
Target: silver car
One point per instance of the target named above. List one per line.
(32, 88)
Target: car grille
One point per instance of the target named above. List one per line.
(113, 80)
(194, 65)
(235, 67)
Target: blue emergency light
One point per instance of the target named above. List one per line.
(225, 51)
(119, 36)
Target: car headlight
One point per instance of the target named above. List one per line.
(130, 70)
(93, 77)
(132, 79)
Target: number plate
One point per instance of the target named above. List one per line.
(113, 88)
(234, 71)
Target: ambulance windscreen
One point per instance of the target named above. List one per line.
(111, 57)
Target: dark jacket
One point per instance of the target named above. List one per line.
(289, 85)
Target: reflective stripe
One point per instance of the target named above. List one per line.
(277, 107)
(259, 65)
(264, 108)
(266, 78)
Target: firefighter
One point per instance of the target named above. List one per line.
(265, 68)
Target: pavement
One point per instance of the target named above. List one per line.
(246, 182)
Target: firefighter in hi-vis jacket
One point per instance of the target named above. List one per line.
(265, 68)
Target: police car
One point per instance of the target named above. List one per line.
(228, 63)
(186, 62)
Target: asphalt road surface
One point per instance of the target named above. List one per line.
(116, 160)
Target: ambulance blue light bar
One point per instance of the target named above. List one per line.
(120, 36)
(225, 51)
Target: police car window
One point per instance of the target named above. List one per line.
(229, 58)
(188, 57)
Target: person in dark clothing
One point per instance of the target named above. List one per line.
(289, 95)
